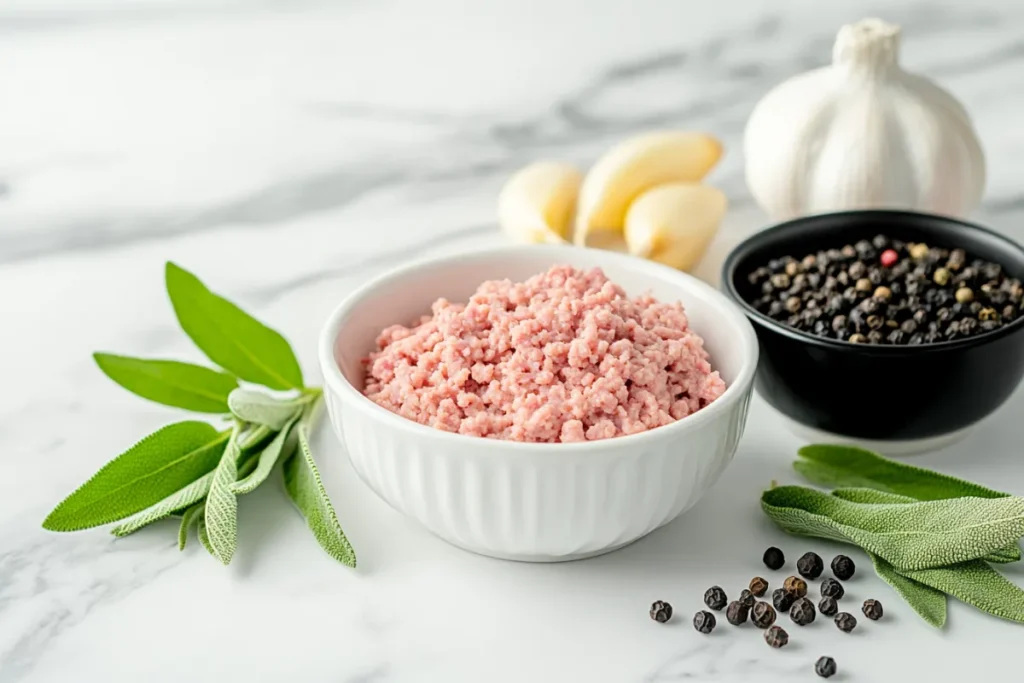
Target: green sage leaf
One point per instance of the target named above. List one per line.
(221, 513)
(909, 536)
(170, 382)
(263, 409)
(268, 457)
(154, 468)
(835, 466)
(302, 481)
(1005, 555)
(203, 534)
(978, 585)
(925, 600)
(229, 336)
(189, 520)
(180, 499)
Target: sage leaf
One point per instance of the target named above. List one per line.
(304, 487)
(229, 336)
(925, 600)
(180, 499)
(170, 382)
(267, 458)
(189, 520)
(910, 536)
(835, 466)
(221, 512)
(1005, 555)
(156, 467)
(977, 584)
(262, 409)
(204, 536)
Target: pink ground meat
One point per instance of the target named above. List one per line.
(565, 356)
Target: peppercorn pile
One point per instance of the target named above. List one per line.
(887, 291)
(791, 598)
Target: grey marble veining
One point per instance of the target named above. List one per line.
(287, 151)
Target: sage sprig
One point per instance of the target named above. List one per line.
(192, 469)
(928, 534)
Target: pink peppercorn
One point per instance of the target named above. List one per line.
(889, 257)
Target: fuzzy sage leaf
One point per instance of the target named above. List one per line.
(267, 458)
(263, 409)
(909, 536)
(188, 520)
(978, 585)
(170, 382)
(180, 499)
(221, 513)
(835, 466)
(229, 336)
(928, 602)
(302, 481)
(154, 468)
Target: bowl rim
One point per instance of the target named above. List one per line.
(751, 242)
(352, 397)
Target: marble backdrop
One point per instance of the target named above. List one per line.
(287, 151)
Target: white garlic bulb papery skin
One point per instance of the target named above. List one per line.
(862, 133)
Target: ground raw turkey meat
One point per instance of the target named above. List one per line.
(565, 356)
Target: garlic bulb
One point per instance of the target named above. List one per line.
(862, 133)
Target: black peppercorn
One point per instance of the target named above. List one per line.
(774, 558)
(869, 306)
(825, 667)
(874, 337)
(839, 323)
(762, 615)
(828, 606)
(802, 612)
(736, 613)
(661, 611)
(746, 598)
(782, 599)
(776, 637)
(908, 326)
(872, 609)
(875, 322)
(880, 241)
(810, 566)
(795, 586)
(714, 598)
(704, 621)
(758, 586)
(845, 622)
(832, 589)
(843, 567)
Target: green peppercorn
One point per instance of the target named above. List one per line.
(802, 612)
(872, 609)
(793, 304)
(758, 586)
(863, 285)
(825, 667)
(762, 615)
(941, 277)
(919, 251)
(776, 637)
(661, 611)
(857, 339)
(792, 268)
(875, 322)
(845, 622)
(882, 293)
(780, 281)
(828, 606)
(704, 622)
(964, 295)
(987, 314)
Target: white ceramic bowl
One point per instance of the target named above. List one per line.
(522, 501)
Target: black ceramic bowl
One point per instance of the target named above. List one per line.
(907, 398)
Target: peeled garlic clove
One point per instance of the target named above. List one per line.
(673, 224)
(630, 169)
(537, 203)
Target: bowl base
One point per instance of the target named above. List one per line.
(539, 559)
(893, 448)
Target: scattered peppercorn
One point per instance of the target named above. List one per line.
(843, 567)
(715, 598)
(758, 586)
(774, 558)
(835, 293)
(776, 637)
(661, 611)
(825, 667)
(846, 622)
(762, 615)
(736, 613)
(746, 598)
(831, 588)
(872, 609)
(795, 586)
(828, 606)
(802, 612)
(704, 621)
(782, 599)
(810, 565)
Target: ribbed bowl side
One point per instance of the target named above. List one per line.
(537, 506)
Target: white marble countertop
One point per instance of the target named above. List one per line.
(286, 151)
